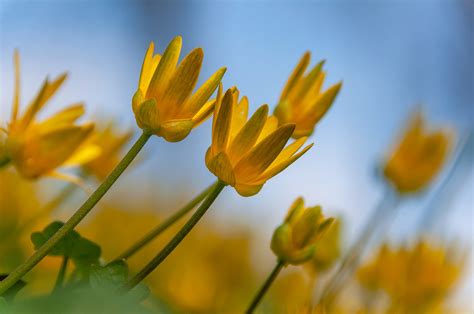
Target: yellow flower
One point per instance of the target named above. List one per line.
(37, 148)
(296, 240)
(111, 143)
(245, 154)
(163, 104)
(302, 102)
(417, 278)
(418, 157)
(328, 250)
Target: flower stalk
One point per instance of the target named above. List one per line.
(77, 217)
(163, 254)
(61, 274)
(165, 224)
(384, 210)
(266, 285)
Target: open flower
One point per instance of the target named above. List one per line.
(295, 241)
(418, 157)
(37, 148)
(110, 143)
(245, 153)
(164, 104)
(302, 101)
(417, 278)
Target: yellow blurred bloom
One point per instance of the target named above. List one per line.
(302, 101)
(163, 104)
(246, 152)
(418, 157)
(328, 250)
(37, 148)
(219, 278)
(295, 241)
(417, 278)
(111, 144)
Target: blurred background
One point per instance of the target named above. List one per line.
(392, 56)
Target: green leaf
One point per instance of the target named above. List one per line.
(108, 277)
(139, 293)
(11, 293)
(81, 251)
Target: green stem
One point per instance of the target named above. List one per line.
(76, 218)
(165, 224)
(268, 282)
(61, 274)
(161, 256)
(384, 211)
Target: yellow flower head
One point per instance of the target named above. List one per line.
(418, 157)
(415, 277)
(302, 101)
(329, 249)
(296, 240)
(37, 148)
(164, 104)
(111, 143)
(245, 153)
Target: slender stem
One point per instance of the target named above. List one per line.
(76, 218)
(268, 282)
(61, 274)
(351, 260)
(161, 256)
(165, 224)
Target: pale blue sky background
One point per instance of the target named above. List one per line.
(391, 55)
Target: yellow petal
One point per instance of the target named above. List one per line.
(150, 62)
(270, 126)
(165, 69)
(148, 116)
(247, 190)
(296, 75)
(239, 117)
(199, 98)
(324, 102)
(181, 85)
(295, 210)
(83, 155)
(47, 91)
(217, 107)
(261, 156)
(50, 150)
(204, 113)
(220, 136)
(221, 167)
(66, 116)
(308, 82)
(248, 135)
(273, 171)
(176, 130)
(288, 151)
(16, 93)
(304, 229)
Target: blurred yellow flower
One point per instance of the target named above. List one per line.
(163, 104)
(417, 278)
(219, 278)
(37, 148)
(328, 250)
(111, 143)
(295, 241)
(418, 157)
(246, 153)
(302, 101)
